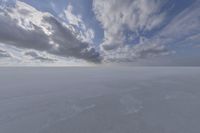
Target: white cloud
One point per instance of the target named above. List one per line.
(118, 16)
(77, 25)
(42, 57)
(4, 54)
(185, 26)
(27, 57)
(70, 17)
(7, 3)
(131, 54)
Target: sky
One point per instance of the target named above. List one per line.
(99, 32)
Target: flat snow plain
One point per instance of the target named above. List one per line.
(100, 100)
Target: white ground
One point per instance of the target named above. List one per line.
(100, 100)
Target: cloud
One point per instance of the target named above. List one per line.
(133, 30)
(26, 27)
(184, 27)
(142, 28)
(7, 3)
(37, 56)
(125, 21)
(4, 54)
(132, 54)
(118, 16)
(70, 17)
(77, 25)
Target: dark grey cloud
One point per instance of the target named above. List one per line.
(36, 56)
(11, 33)
(69, 45)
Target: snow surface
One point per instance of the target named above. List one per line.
(100, 100)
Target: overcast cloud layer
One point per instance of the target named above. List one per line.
(129, 31)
